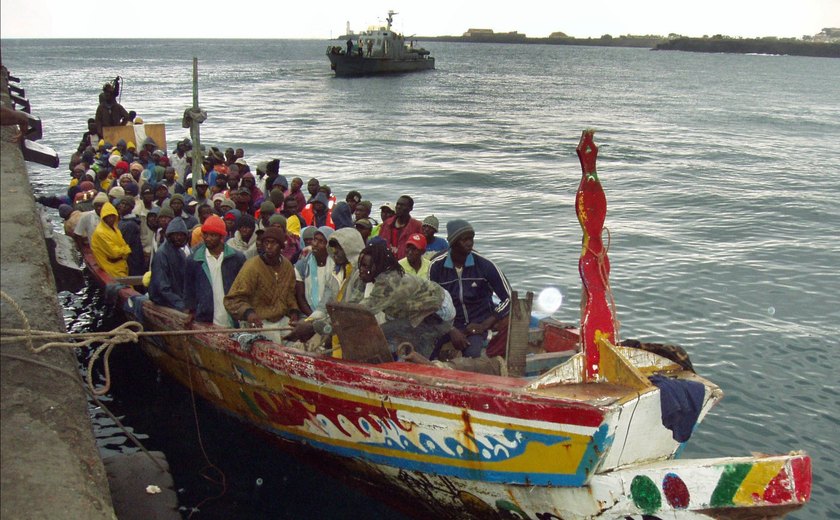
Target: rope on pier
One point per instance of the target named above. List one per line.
(128, 332)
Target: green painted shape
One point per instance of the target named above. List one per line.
(510, 507)
(728, 484)
(251, 404)
(645, 494)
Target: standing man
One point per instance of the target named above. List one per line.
(471, 280)
(317, 212)
(263, 293)
(209, 274)
(294, 190)
(396, 230)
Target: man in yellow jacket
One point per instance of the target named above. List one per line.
(109, 247)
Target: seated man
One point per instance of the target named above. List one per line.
(263, 293)
(471, 280)
(130, 229)
(415, 263)
(434, 244)
(89, 220)
(416, 310)
(209, 274)
(167, 285)
(342, 284)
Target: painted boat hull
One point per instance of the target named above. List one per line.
(462, 445)
(344, 65)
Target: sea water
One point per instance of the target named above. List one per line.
(722, 175)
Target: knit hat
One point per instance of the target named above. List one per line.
(128, 199)
(177, 196)
(456, 229)
(122, 165)
(116, 192)
(233, 215)
(364, 222)
(166, 211)
(214, 224)
(308, 233)
(275, 233)
(417, 240)
(278, 220)
(228, 203)
(432, 222)
(135, 167)
(267, 208)
(101, 198)
(114, 159)
(65, 210)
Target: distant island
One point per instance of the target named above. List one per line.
(825, 44)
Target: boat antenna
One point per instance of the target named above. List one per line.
(390, 18)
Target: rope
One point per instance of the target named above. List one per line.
(605, 279)
(128, 332)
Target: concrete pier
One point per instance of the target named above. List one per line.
(49, 464)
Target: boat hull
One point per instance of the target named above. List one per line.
(459, 445)
(344, 65)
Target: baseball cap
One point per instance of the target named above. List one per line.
(417, 240)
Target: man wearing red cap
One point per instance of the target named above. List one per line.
(415, 263)
(209, 274)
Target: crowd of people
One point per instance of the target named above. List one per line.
(250, 247)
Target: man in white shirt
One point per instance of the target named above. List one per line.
(209, 273)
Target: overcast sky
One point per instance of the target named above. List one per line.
(327, 18)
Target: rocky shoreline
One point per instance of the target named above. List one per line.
(791, 47)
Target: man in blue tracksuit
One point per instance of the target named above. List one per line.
(209, 273)
(471, 280)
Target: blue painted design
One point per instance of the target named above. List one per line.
(244, 372)
(598, 445)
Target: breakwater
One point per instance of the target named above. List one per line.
(50, 467)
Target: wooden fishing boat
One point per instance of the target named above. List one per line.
(379, 50)
(596, 436)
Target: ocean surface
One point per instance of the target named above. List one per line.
(722, 175)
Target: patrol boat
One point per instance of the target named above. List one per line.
(379, 50)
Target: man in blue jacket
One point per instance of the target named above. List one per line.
(209, 274)
(471, 280)
(167, 285)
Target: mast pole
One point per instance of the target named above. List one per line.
(197, 159)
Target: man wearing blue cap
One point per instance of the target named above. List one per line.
(471, 280)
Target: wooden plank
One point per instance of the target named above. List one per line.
(359, 334)
(518, 329)
(136, 134)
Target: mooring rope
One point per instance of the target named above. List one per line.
(128, 332)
